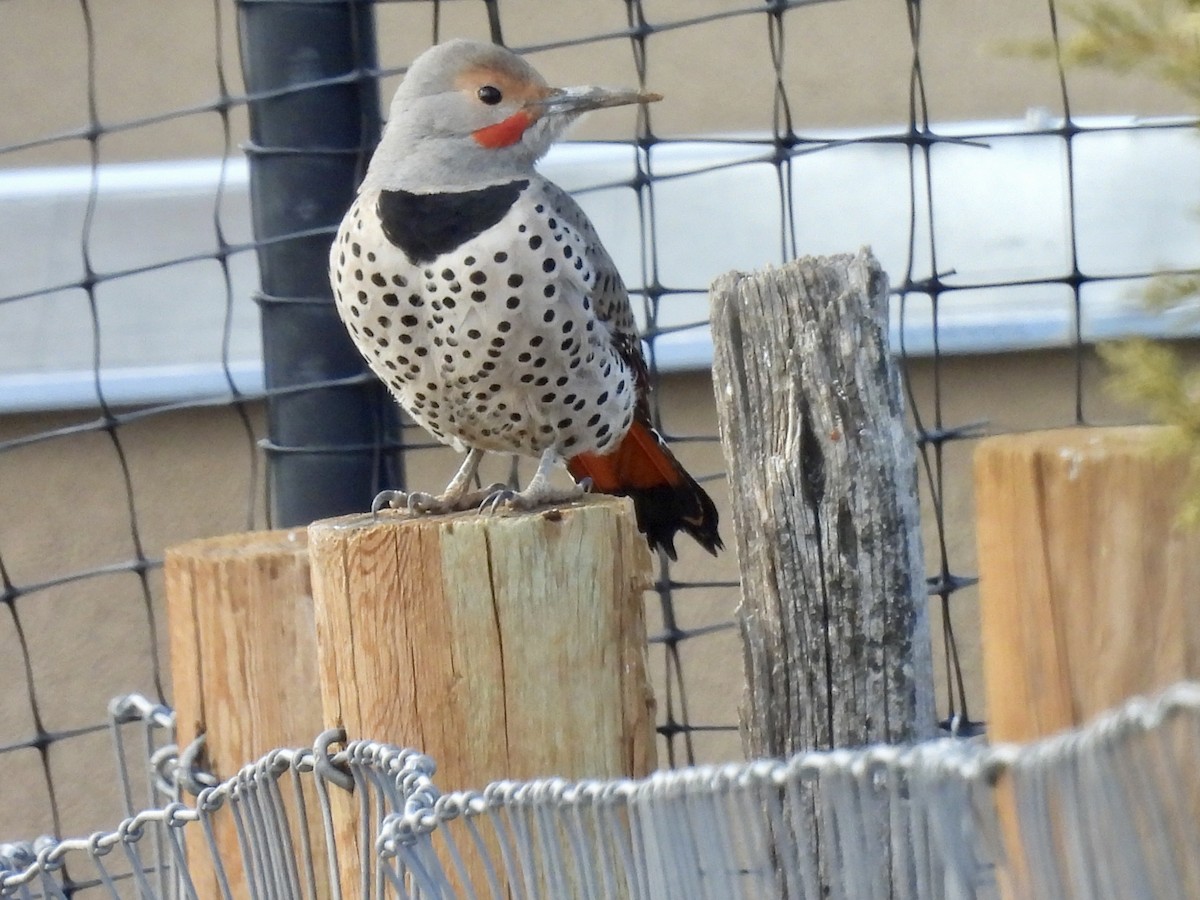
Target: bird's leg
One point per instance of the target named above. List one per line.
(538, 492)
(462, 478)
(456, 496)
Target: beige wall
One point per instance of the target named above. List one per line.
(846, 63)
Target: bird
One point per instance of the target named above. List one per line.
(481, 295)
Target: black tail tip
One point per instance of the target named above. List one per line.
(665, 510)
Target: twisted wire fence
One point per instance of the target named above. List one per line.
(1096, 813)
(126, 327)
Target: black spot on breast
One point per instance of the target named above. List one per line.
(425, 226)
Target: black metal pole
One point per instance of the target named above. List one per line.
(314, 118)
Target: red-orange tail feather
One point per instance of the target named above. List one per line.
(665, 497)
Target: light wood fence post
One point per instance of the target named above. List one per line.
(504, 646)
(1089, 586)
(243, 668)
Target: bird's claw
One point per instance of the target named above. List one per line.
(503, 496)
(388, 500)
(420, 503)
(523, 501)
(416, 502)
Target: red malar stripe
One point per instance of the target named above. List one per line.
(503, 134)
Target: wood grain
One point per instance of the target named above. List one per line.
(505, 646)
(243, 667)
(825, 509)
(1089, 588)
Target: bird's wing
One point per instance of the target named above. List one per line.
(609, 298)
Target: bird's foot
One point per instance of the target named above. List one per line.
(531, 498)
(422, 504)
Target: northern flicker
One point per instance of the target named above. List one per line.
(481, 294)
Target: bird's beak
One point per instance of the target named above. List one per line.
(581, 99)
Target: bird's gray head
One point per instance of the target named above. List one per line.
(470, 114)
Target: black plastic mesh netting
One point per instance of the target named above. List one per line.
(1016, 206)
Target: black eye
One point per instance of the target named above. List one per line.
(489, 94)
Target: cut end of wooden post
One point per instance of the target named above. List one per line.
(503, 645)
(1087, 580)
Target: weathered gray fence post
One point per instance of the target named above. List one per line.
(825, 510)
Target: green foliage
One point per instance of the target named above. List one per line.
(1159, 38)
(1152, 376)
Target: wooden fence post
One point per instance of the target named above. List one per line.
(823, 488)
(1089, 587)
(243, 666)
(505, 646)
(822, 474)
